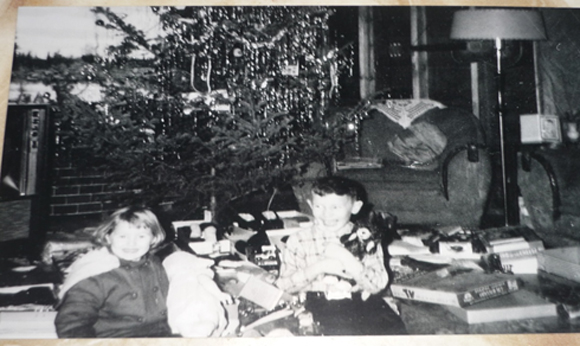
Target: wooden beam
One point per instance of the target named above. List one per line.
(419, 58)
(366, 40)
(474, 68)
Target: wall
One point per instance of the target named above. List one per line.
(77, 193)
(558, 68)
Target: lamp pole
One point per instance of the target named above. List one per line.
(499, 80)
(501, 24)
(508, 176)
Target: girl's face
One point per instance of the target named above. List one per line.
(130, 242)
(333, 211)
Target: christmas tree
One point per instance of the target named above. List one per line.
(219, 103)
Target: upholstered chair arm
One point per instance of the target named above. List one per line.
(472, 156)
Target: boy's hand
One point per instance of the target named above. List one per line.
(333, 266)
(351, 265)
(336, 251)
(327, 266)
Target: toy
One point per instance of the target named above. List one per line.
(368, 233)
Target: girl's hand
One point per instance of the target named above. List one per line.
(224, 298)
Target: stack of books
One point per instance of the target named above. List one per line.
(27, 311)
(511, 249)
(474, 296)
(27, 299)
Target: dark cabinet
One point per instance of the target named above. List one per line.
(25, 173)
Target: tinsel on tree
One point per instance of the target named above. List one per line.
(224, 101)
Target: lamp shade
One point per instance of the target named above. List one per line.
(505, 24)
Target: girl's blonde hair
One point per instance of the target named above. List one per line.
(137, 216)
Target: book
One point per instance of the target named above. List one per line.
(405, 268)
(402, 248)
(42, 295)
(507, 239)
(24, 277)
(514, 265)
(521, 304)
(516, 261)
(261, 293)
(455, 286)
(19, 288)
(515, 246)
(532, 250)
(27, 324)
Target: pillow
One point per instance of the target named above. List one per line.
(419, 145)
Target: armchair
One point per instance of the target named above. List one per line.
(549, 184)
(452, 189)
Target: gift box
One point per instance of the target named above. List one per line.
(284, 223)
(246, 280)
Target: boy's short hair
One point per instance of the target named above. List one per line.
(338, 185)
(137, 216)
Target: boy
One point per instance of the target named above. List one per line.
(314, 261)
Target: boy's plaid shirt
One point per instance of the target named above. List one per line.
(306, 247)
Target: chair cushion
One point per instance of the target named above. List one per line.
(419, 145)
(405, 111)
(459, 127)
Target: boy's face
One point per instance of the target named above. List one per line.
(130, 242)
(333, 211)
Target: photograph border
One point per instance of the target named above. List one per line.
(8, 19)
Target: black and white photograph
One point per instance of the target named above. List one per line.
(244, 171)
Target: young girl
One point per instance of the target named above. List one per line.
(120, 289)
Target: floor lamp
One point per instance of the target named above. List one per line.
(499, 25)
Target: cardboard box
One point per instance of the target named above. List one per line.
(194, 225)
(246, 280)
(292, 221)
(455, 286)
(539, 128)
(564, 262)
(289, 221)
